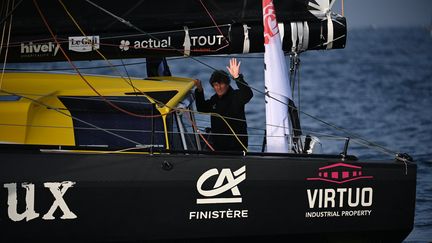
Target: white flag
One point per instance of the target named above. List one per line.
(277, 86)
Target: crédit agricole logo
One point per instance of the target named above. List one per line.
(224, 191)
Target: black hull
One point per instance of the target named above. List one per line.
(138, 197)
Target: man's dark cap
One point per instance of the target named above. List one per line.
(220, 76)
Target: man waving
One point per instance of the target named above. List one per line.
(229, 103)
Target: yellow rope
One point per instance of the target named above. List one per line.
(84, 34)
(223, 119)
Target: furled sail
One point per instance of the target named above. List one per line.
(132, 29)
(278, 128)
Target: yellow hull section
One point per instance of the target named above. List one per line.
(37, 116)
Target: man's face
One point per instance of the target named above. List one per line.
(220, 88)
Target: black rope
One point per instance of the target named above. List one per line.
(72, 117)
(129, 24)
(10, 13)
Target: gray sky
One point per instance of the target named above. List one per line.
(386, 13)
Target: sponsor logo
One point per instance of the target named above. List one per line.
(150, 43)
(226, 183)
(340, 197)
(39, 49)
(57, 189)
(232, 180)
(84, 43)
(339, 201)
(210, 40)
(219, 214)
(124, 45)
(340, 173)
(270, 23)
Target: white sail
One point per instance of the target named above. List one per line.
(278, 128)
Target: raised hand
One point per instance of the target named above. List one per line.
(198, 85)
(234, 68)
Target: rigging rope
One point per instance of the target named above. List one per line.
(213, 20)
(117, 65)
(322, 135)
(171, 109)
(99, 53)
(196, 129)
(7, 44)
(187, 110)
(82, 76)
(10, 12)
(130, 81)
(342, 8)
(72, 117)
(129, 24)
(4, 26)
(132, 26)
(126, 13)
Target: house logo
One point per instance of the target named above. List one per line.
(227, 181)
(339, 201)
(124, 45)
(84, 43)
(340, 173)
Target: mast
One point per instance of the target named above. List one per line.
(280, 108)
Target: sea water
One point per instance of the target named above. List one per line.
(379, 88)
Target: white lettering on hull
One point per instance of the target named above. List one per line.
(12, 202)
(57, 189)
(331, 198)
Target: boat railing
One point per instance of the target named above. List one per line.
(191, 129)
(186, 133)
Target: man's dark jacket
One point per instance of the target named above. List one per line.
(232, 105)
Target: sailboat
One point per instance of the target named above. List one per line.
(110, 158)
